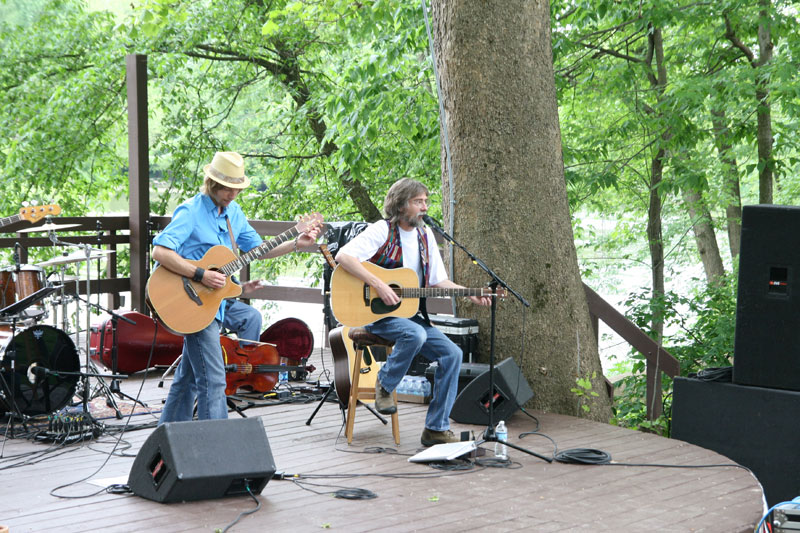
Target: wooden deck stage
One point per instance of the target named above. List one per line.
(532, 496)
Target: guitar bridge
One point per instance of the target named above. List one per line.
(189, 288)
(366, 295)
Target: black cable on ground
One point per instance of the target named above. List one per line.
(585, 456)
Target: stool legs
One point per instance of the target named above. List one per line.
(357, 393)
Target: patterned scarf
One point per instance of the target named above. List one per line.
(390, 254)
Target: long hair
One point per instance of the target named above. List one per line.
(209, 186)
(403, 190)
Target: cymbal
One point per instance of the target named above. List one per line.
(48, 227)
(75, 257)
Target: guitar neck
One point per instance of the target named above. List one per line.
(436, 292)
(327, 255)
(258, 252)
(5, 221)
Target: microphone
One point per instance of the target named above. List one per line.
(36, 372)
(429, 221)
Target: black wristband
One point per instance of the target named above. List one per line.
(198, 274)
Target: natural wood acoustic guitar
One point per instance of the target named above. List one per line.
(185, 306)
(354, 303)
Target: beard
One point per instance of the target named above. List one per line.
(415, 222)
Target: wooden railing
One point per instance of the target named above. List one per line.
(114, 231)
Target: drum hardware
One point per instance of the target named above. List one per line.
(88, 254)
(48, 226)
(113, 388)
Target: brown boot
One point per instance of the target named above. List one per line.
(384, 401)
(431, 437)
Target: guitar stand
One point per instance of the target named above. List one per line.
(342, 407)
(232, 405)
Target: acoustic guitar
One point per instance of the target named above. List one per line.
(354, 303)
(185, 306)
(344, 353)
(31, 214)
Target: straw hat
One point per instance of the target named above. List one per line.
(227, 168)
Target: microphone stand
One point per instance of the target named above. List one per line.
(489, 434)
(115, 318)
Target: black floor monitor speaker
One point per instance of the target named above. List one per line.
(753, 426)
(204, 459)
(511, 392)
(768, 302)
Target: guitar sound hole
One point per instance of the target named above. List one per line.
(378, 307)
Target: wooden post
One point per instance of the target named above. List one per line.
(138, 176)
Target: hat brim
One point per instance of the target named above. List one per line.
(244, 184)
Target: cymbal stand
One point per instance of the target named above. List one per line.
(7, 390)
(91, 369)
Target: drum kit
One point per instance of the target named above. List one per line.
(40, 368)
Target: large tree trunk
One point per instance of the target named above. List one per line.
(498, 88)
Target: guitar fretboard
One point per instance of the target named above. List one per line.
(257, 252)
(436, 292)
(5, 221)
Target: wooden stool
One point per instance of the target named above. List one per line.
(362, 340)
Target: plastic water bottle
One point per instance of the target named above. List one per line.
(402, 387)
(426, 389)
(501, 433)
(283, 375)
(416, 388)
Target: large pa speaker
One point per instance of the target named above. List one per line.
(511, 391)
(204, 459)
(754, 426)
(768, 302)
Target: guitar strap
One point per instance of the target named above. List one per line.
(233, 241)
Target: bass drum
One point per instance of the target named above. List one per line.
(49, 348)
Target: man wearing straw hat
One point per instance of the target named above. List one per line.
(210, 218)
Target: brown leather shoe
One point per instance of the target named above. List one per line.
(431, 437)
(384, 401)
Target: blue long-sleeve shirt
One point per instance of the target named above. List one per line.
(197, 225)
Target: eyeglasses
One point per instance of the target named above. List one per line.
(420, 201)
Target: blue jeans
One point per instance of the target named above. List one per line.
(200, 375)
(414, 336)
(202, 367)
(242, 319)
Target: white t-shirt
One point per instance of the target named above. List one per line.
(371, 239)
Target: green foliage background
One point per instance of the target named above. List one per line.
(332, 100)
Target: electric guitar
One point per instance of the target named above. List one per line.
(354, 303)
(344, 353)
(31, 214)
(185, 306)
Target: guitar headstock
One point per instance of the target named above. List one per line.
(309, 222)
(35, 212)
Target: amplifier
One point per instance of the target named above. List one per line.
(468, 372)
(787, 519)
(462, 331)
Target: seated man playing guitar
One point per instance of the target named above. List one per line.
(209, 219)
(403, 241)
